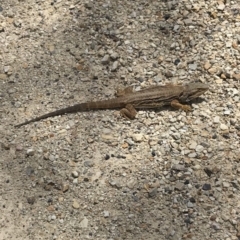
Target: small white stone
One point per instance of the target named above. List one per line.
(235, 92)
(114, 66)
(192, 155)
(228, 44)
(84, 223)
(137, 137)
(75, 181)
(192, 66)
(175, 28)
(199, 148)
(223, 127)
(197, 167)
(6, 68)
(227, 112)
(192, 145)
(219, 81)
(51, 157)
(216, 119)
(30, 152)
(226, 184)
(106, 214)
(221, 6)
(75, 174)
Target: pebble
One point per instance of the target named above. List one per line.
(190, 205)
(31, 200)
(207, 65)
(223, 127)
(179, 186)
(192, 155)
(65, 187)
(84, 223)
(216, 226)
(178, 167)
(192, 145)
(227, 112)
(75, 204)
(216, 119)
(89, 163)
(114, 56)
(51, 157)
(213, 217)
(7, 69)
(131, 183)
(75, 181)
(197, 167)
(3, 76)
(228, 44)
(226, 184)
(175, 29)
(188, 21)
(17, 23)
(206, 187)
(199, 148)
(235, 76)
(106, 214)
(12, 90)
(192, 66)
(212, 70)
(152, 193)
(75, 174)
(220, 6)
(137, 137)
(30, 152)
(115, 66)
(106, 59)
(219, 80)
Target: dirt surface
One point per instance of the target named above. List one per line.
(94, 175)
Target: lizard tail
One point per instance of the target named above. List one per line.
(81, 107)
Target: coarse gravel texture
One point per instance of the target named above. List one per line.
(94, 175)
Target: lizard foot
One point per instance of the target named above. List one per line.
(178, 105)
(128, 112)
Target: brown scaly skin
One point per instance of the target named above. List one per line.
(128, 101)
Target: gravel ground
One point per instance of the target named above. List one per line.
(165, 175)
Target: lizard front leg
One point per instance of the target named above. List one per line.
(178, 105)
(128, 112)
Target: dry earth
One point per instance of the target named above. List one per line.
(165, 175)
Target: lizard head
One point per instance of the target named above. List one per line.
(192, 91)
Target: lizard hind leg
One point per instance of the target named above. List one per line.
(122, 92)
(128, 112)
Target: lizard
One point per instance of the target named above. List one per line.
(128, 100)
